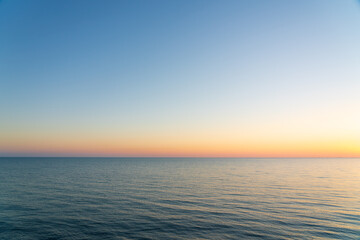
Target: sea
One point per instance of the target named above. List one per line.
(179, 198)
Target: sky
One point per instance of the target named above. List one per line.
(251, 78)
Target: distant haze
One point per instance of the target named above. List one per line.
(253, 78)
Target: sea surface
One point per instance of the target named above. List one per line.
(179, 198)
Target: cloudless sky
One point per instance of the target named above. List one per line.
(251, 78)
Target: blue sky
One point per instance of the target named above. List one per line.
(166, 70)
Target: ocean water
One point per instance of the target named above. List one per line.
(149, 198)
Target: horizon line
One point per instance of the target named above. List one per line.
(166, 157)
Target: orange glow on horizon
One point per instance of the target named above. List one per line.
(182, 148)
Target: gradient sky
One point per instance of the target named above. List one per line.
(180, 78)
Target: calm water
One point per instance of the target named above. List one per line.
(104, 198)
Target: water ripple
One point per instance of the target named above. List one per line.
(76, 198)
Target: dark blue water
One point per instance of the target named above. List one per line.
(108, 198)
